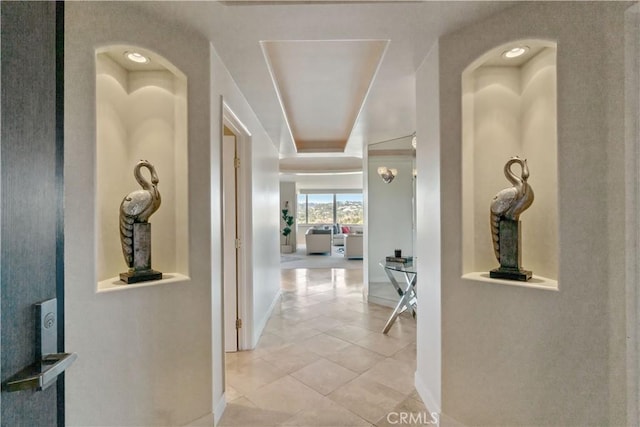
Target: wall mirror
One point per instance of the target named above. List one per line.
(391, 210)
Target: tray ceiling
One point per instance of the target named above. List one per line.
(322, 86)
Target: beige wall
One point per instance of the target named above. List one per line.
(144, 354)
(513, 355)
(154, 355)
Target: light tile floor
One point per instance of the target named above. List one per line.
(323, 360)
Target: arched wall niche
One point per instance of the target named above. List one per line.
(509, 108)
(141, 113)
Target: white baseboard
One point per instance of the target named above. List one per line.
(219, 409)
(432, 405)
(259, 328)
(426, 395)
(206, 421)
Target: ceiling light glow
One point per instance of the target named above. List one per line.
(515, 52)
(136, 57)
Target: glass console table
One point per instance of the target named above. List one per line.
(406, 291)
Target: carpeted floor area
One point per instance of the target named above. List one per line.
(300, 259)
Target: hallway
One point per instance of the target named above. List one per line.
(323, 360)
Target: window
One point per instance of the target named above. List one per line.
(301, 211)
(319, 208)
(349, 208)
(330, 208)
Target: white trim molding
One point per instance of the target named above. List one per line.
(245, 282)
(257, 332)
(425, 394)
(206, 421)
(218, 411)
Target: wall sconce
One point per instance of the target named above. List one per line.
(387, 174)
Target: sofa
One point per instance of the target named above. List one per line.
(318, 241)
(340, 231)
(353, 246)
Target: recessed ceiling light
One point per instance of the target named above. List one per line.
(136, 57)
(515, 52)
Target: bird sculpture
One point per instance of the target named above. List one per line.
(510, 202)
(137, 207)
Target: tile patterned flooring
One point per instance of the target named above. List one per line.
(323, 360)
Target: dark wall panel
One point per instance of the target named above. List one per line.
(29, 196)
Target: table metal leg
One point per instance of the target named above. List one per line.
(394, 282)
(407, 301)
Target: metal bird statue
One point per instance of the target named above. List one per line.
(137, 207)
(510, 202)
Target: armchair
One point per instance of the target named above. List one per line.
(353, 246)
(339, 233)
(318, 241)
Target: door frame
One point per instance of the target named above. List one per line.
(230, 235)
(245, 290)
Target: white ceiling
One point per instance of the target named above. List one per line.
(321, 60)
(326, 79)
(302, 164)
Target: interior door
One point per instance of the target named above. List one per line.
(230, 250)
(31, 232)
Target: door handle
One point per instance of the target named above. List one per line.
(49, 363)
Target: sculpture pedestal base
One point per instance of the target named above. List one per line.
(141, 270)
(510, 253)
(509, 274)
(140, 276)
